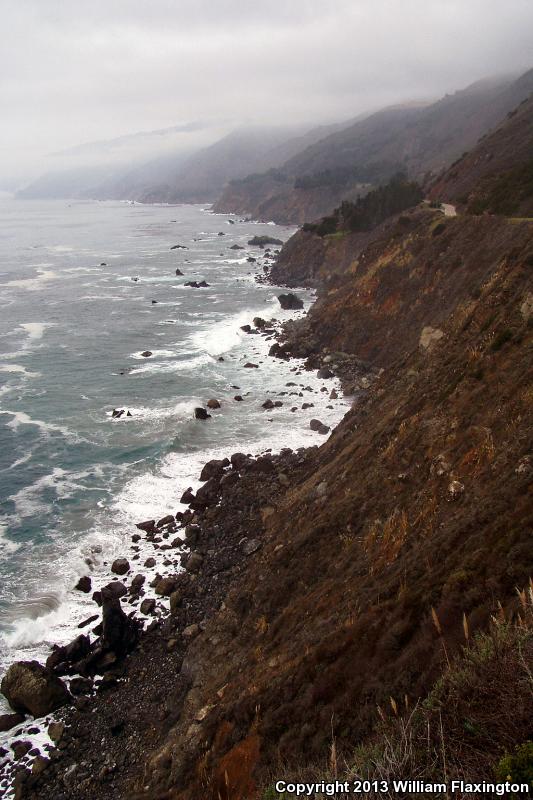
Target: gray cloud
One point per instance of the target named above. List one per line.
(71, 72)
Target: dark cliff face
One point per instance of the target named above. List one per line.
(419, 500)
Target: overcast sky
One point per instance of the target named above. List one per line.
(72, 71)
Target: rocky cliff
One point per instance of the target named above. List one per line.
(419, 500)
(373, 560)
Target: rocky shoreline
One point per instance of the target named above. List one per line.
(102, 737)
(104, 702)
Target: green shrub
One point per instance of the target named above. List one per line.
(517, 767)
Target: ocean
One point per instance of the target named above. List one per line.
(85, 289)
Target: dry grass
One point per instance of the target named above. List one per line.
(479, 711)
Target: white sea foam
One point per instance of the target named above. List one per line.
(18, 369)
(22, 418)
(29, 501)
(155, 354)
(6, 545)
(172, 366)
(32, 284)
(35, 330)
(226, 335)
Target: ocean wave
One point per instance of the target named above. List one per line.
(173, 366)
(22, 418)
(29, 501)
(226, 335)
(35, 330)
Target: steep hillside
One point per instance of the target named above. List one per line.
(497, 175)
(420, 140)
(418, 501)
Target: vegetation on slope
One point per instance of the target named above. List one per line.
(372, 209)
(466, 726)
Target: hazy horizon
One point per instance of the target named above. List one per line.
(75, 75)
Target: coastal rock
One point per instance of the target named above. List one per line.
(166, 586)
(150, 562)
(120, 566)
(236, 247)
(168, 520)
(178, 272)
(137, 584)
(239, 398)
(259, 322)
(148, 525)
(324, 373)
(113, 590)
(194, 562)
(179, 247)
(146, 353)
(191, 631)
(250, 546)
(268, 404)
(81, 686)
(187, 497)
(175, 601)
(214, 468)
(30, 687)
(147, 606)
(213, 403)
(246, 328)
(56, 731)
(261, 241)
(318, 426)
(240, 460)
(119, 633)
(201, 413)
(62, 657)
(290, 301)
(333, 395)
(8, 721)
(84, 584)
(249, 365)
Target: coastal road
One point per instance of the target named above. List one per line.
(449, 210)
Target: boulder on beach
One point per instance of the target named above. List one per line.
(201, 413)
(119, 632)
(324, 373)
(268, 404)
(84, 584)
(318, 426)
(187, 497)
(112, 590)
(30, 687)
(249, 365)
(214, 468)
(8, 721)
(290, 301)
(120, 566)
(169, 519)
(147, 526)
(62, 657)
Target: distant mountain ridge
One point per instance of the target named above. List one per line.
(419, 140)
